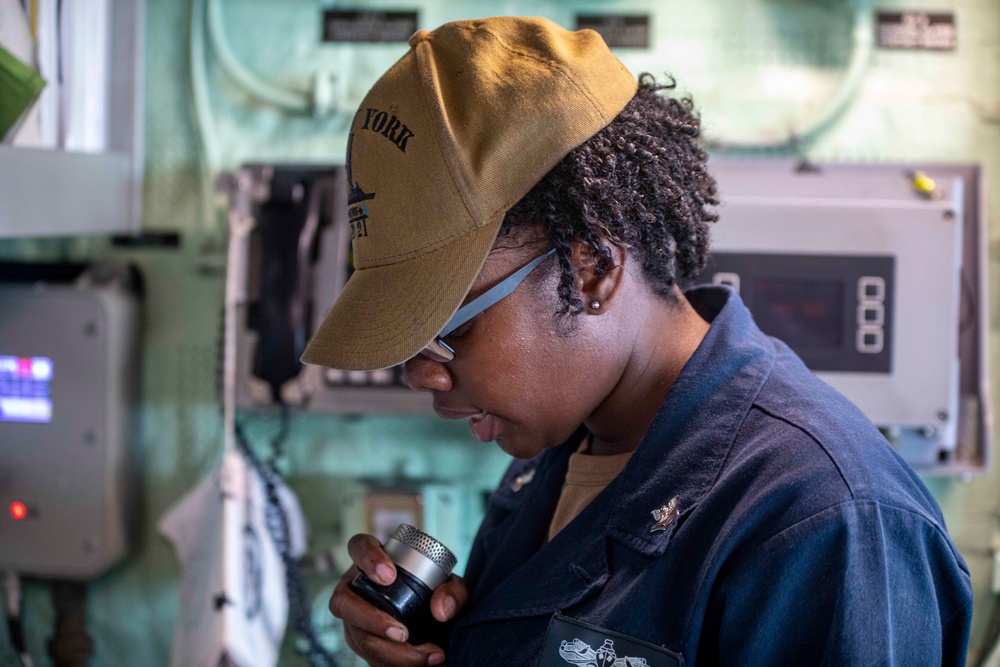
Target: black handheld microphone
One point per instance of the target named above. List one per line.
(422, 564)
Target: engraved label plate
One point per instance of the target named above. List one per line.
(919, 31)
(618, 31)
(368, 26)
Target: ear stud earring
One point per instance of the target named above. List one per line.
(596, 305)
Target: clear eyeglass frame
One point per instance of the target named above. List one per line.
(440, 351)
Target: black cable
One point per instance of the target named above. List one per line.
(15, 628)
(16, 631)
(71, 645)
(299, 604)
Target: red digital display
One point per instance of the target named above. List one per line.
(806, 314)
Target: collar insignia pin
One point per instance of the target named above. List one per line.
(521, 480)
(665, 515)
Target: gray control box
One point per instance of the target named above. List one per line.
(69, 378)
(875, 276)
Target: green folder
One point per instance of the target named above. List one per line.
(20, 86)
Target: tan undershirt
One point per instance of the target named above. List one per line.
(586, 476)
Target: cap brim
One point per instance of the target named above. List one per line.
(387, 314)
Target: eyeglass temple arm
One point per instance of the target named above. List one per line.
(502, 289)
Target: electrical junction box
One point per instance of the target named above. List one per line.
(69, 379)
(875, 275)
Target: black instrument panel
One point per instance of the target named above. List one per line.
(834, 311)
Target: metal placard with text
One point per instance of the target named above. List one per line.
(368, 26)
(618, 31)
(920, 31)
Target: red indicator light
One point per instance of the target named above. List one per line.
(18, 510)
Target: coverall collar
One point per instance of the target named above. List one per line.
(687, 443)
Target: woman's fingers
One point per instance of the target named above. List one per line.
(354, 610)
(449, 598)
(367, 554)
(380, 652)
(375, 635)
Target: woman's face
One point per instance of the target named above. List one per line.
(515, 376)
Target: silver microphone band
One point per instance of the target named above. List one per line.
(414, 562)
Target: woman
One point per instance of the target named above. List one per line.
(685, 490)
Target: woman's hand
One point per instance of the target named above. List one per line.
(375, 635)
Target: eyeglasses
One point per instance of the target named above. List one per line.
(440, 351)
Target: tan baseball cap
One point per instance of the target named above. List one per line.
(448, 140)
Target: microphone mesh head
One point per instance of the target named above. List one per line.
(427, 545)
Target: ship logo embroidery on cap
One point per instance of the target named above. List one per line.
(356, 198)
(665, 515)
(579, 652)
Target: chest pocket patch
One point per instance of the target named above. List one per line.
(572, 642)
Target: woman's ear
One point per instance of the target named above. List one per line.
(597, 288)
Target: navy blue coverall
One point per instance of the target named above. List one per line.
(800, 537)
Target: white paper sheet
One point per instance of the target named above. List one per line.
(233, 598)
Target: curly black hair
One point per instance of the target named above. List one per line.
(641, 183)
